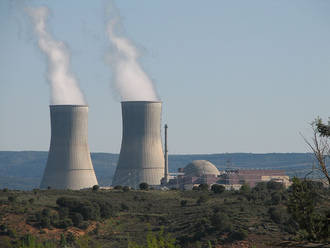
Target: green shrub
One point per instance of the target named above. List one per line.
(46, 212)
(217, 188)
(275, 215)
(63, 212)
(303, 199)
(158, 240)
(144, 186)
(277, 186)
(195, 188)
(237, 235)
(202, 199)
(77, 219)
(183, 203)
(118, 187)
(64, 223)
(45, 222)
(245, 189)
(96, 188)
(126, 188)
(221, 222)
(276, 198)
(12, 198)
(124, 207)
(203, 187)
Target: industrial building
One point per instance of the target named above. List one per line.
(252, 177)
(69, 164)
(204, 172)
(141, 156)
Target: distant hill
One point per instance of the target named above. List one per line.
(23, 170)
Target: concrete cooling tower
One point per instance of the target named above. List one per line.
(141, 156)
(69, 164)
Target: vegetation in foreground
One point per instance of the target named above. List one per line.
(264, 216)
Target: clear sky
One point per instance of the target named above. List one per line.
(234, 76)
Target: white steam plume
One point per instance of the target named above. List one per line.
(64, 86)
(130, 79)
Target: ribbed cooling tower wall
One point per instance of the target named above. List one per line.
(69, 164)
(141, 156)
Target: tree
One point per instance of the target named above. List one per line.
(96, 187)
(77, 219)
(245, 189)
(144, 186)
(303, 198)
(217, 188)
(319, 145)
(203, 187)
(126, 188)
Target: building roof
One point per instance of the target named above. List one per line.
(200, 167)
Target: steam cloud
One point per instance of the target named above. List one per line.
(130, 79)
(64, 86)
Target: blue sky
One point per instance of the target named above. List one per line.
(234, 76)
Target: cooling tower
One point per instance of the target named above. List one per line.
(141, 156)
(69, 164)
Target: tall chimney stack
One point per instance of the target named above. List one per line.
(166, 156)
(141, 156)
(69, 164)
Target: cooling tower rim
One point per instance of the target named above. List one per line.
(67, 105)
(141, 102)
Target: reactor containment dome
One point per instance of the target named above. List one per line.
(69, 164)
(199, 168)
(141, 156)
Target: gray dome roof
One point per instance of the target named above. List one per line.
(200, 167)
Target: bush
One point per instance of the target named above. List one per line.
(124, 207)
(217, 188)
(118, 187)
(144, 186)
(45, 222)
(221, 222)
(272, 185)
(106, 209)
(96, 188)
(91, 209)
(31, 200)
(275, 215)
(64, 223)
(276, 198)
(245, 189)
(261, 186)
(203, 187)
(63, 212)
(126, 188)
(12, 198)
(183, 203)
(46, 212)
(237, 235)
(77, 219)
(202, 199)
(302, 204)
(195, 188)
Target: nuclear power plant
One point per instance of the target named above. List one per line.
(69, 164)
(141, 156)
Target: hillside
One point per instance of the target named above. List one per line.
(23, 170)
(122, 218)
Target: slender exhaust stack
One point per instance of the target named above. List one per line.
(166, 156)
(141, 156)
(69, 164)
